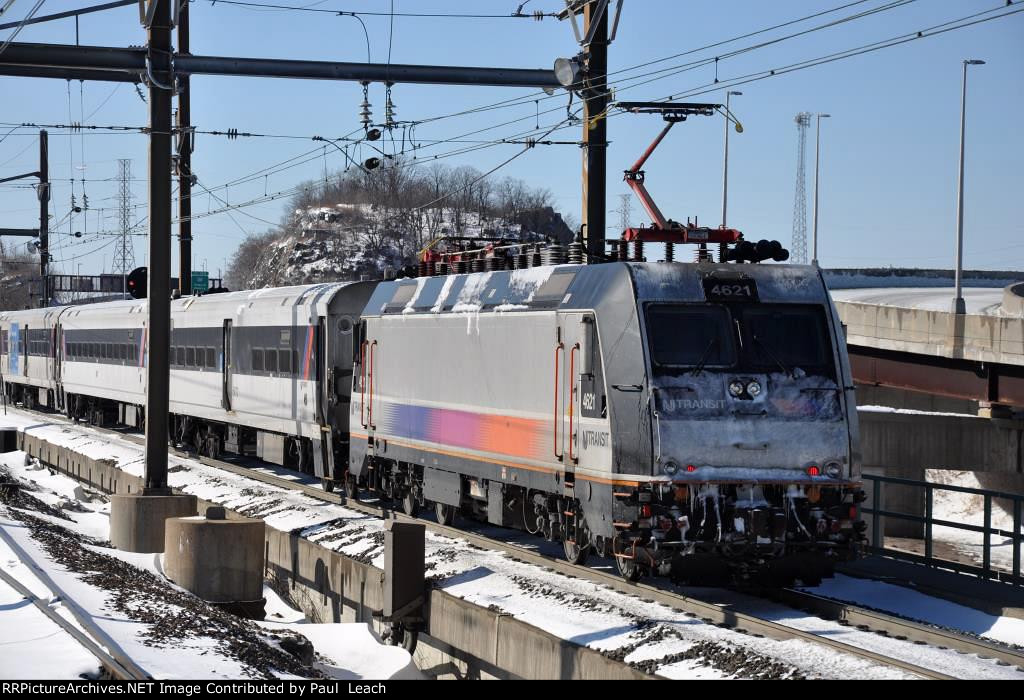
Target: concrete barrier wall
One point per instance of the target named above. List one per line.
(915, 442)
(460, 640)
(905, 445)
(973, 337)
(871, 395)
(1013, 300)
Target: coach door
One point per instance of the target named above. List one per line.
(320, 352)
(225, 365)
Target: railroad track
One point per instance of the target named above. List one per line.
(897, 627)
(115, 663)
(698, 605)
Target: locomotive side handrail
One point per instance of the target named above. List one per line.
(362, 383)
(558, 348)
(369, 417)
(572, 402)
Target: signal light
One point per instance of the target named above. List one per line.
(813, 471)
(137, 283)
(645, 511)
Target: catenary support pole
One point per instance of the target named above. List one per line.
(159, 263)
(44, 218)
(595, 134)
(184, 165)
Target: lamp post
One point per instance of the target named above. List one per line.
(959, 307)
(725, 167)
(817, 162)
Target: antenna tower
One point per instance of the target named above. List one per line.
(799, 244)
(124, 256)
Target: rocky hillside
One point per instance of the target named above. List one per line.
(369, 224)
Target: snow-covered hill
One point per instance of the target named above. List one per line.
(356, 241)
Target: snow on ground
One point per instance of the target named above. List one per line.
(192, 658)
(969, 509)
(345, 651)
(917, 606)
(978, 300)
(32, 646)
(28, 638)
(646, 633)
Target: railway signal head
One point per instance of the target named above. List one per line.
(137, 283)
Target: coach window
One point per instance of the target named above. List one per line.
(181, 356)
(110, 351)
(271, 360)
(190, 357)
(285, 362)
(211, 358)
(257, 359)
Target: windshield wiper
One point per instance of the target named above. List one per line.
(704, 357)
(772, 355)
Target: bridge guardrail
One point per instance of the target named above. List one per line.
(986, 570)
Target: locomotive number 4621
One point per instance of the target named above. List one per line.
(730, 290)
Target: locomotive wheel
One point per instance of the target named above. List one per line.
(445, 513)
(628, 568)
(409, 505)
(574, 553)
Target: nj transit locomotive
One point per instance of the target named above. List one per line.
(679, 416)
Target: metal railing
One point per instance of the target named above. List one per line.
(928, 489)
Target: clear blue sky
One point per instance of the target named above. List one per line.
(889, 152)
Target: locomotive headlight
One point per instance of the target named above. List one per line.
(670, 467)
(754, 389)
(833, 470)
(736, 388)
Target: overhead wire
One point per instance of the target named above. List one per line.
(931, 31)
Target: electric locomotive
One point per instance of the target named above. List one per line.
(684, 418)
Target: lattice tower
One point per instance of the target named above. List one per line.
(798, 248)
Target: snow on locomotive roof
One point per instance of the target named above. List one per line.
(503, 290)
(775, 283)
(554, 286)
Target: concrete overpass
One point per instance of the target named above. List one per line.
(906, 338)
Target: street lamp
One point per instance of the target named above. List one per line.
(725, 167)
(817, 153)
(959, 307)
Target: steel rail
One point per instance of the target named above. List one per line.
(120, 666)
(707, 611)
(897, 627)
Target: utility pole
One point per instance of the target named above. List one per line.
(817, 164)
(595, 129)
(184, 165)
(159, 264)
(959, 305)
(44, 217)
